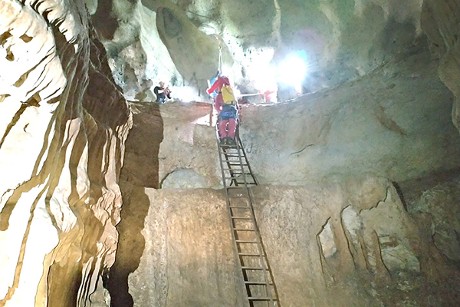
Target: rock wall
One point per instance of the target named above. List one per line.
(395, 123)
(187, 259)
(440, 22)
(339, 40)
(345, 243)
(344, 238)
(64, 124)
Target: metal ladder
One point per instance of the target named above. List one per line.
(237, 179)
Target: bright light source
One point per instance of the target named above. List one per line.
(293, 70)
(259, 69)
(264, 78)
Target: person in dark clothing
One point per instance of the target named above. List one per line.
(162, 92)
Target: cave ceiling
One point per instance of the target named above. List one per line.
(381, 94)
(179, 41)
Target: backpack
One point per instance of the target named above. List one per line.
(227, 94)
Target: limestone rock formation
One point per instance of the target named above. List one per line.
(341, 41)
(106, 202)
(378, 125)
(362, 244)
(190, 258)
(439, 23)
(347, 243)
(64, 124)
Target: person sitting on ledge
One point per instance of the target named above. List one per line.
(162, 92)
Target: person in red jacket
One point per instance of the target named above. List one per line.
(228, 112)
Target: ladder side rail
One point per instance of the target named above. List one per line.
(229, 165)
(240, 143)
(222, 151)
(241, 150)
(272, 296)
(222, 168)
(261, 255)
(227, 201)
(220, 157)
(235, 247)
(263, 259)
(262, 252)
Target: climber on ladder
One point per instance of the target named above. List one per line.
(225, 104)
(227, 108)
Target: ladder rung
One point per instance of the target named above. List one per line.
(253, 268)
(234, 177)
(241, 218)
(231, 177)
(232, 167)
(243, 174)
(250, 255)
(246, 241)
(242, 193)
(265, 299)
(257, 283)
(227, 170)
(237, 164)
(242, 229)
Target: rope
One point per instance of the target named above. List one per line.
(220, 58)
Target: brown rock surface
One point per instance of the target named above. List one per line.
(379, 256)
(64, 125)
(359, 178)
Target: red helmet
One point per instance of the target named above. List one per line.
(225, 80)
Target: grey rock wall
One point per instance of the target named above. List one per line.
(64, 123)
(340, 40)
(337, 244)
